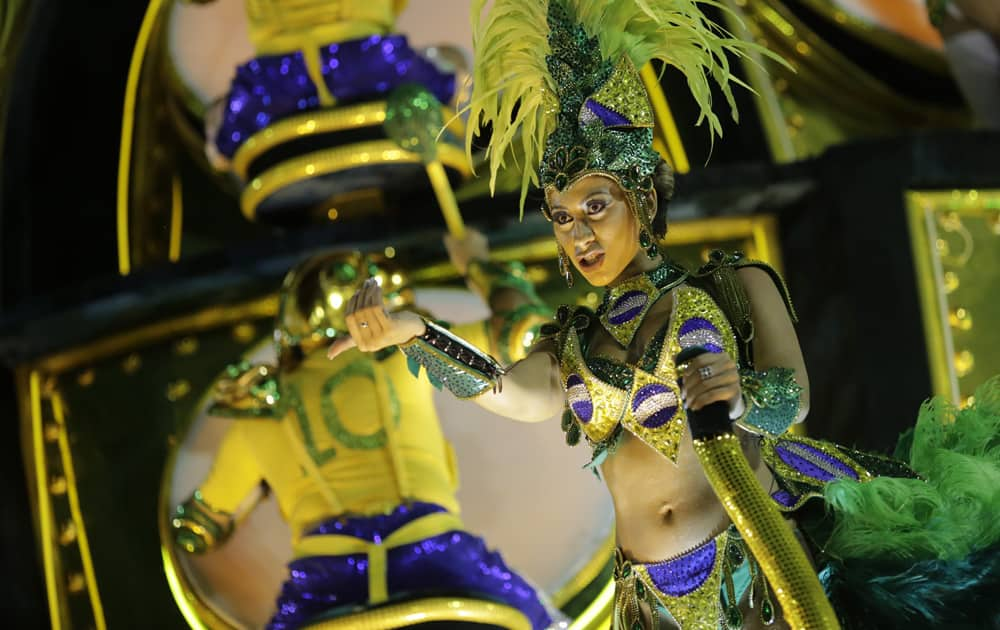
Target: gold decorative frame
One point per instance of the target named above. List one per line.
(827, 97)
(892, 42)
(427, 610)
(49, 461)
(959, 354)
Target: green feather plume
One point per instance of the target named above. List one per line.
(511, 74)
(677, 33)
(923, 553)
(949, 513)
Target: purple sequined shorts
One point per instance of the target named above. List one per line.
(449, 564)
(272, 87)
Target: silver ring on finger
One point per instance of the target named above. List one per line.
(363, 324)
(705, 372)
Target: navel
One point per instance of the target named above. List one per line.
(665, 513)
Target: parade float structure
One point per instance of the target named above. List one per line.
(115, 339)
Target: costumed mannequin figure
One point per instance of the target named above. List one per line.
(336, 116)
(313, 54)
(895, 545)
(353, 450)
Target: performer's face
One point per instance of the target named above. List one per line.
(596, 228)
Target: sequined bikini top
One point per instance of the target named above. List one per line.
(644, 399)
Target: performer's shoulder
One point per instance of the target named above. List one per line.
(717, 275)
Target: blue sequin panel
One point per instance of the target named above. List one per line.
(654, 405)
(592, 110)
(785, 498)
(369, 68)
(684, 574)
(813, 462)
(452, 563)
(627, 307)
(272, 87)
(375, 528)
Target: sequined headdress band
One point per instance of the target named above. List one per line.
(558, 82)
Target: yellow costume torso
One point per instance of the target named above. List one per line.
(646, 402)
(279, 26)
(357, 436)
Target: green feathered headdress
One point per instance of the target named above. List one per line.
(560, 77)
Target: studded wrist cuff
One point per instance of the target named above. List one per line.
(452, 362)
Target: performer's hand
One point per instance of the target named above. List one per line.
(473, 247)
(213, 122)
(371, 327)
(709, 378)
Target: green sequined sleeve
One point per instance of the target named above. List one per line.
(772, 400)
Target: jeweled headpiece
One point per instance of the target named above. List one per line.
(564, 73)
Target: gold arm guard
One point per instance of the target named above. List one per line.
(763, 529)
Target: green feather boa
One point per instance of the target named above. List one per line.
(924, 551)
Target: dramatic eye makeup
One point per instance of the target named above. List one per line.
(597, 203)
(561, 217)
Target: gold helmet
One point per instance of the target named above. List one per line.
(315, 293)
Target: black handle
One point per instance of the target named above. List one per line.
(711, 420)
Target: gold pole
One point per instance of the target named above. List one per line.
(446, 199)
(128, 123)
(77, 514)
(176, 218)
(764, 530)
(665, 124)
(44, 506)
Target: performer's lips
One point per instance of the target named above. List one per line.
(591, 260)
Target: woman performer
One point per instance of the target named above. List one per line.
(570, 67)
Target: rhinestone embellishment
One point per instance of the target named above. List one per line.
(627, 307)
(654, 405)
(579, 398)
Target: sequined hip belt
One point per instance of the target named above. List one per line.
(701, 589)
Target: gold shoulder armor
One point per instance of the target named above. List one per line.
(776, 277)
(247, 390)
(718, 277)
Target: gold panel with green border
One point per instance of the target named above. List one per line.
(955, 237)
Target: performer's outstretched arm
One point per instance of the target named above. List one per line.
(528, 391)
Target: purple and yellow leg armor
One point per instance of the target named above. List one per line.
(418, 549)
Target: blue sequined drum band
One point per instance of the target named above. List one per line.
(272, 87)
